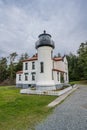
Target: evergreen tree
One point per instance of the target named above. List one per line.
(3, 69)
(73, 67)
(11, 68)
(82, 60)
(19, 65)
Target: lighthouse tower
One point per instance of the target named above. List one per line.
(45, 46)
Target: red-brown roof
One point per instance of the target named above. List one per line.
(19, 72)
(30, 59)
(58, 59)
(35, 57)
(58, 70)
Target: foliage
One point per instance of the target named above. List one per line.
(3, 69)
(73, 67)
(21, 112)
(79, 82)
(78, 64)
(19, 65)
(82, 60)
(12, 57)
(59, 55)
(8, 67)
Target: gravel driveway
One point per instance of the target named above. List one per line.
(69, 115)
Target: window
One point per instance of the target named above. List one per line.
(66, 76)
(19, 77)
(41, 67)
(33, 65)
(29, 85)
(51, 54)
(26, 76)
(26, 66)
(53, 64)
(33, 76)
(58, 76)
(52, 76)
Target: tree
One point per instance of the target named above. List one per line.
(78, 63)
(24, 56)
(19, 65)
(59, 55)
(3, 69)
(82, 60)
(73, 67)
(12, 57)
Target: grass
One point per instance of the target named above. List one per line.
(21, 112)
(84, 82)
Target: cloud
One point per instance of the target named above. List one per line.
(22, 21)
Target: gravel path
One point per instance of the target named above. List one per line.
(69, 115)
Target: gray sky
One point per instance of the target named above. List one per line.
(21, 21)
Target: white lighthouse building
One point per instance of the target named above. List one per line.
(43, 71)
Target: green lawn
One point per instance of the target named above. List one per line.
(84, 82)
(21, 112)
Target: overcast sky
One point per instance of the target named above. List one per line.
(21, 21)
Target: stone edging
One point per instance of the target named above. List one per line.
(62, 97)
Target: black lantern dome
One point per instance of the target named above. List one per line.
(45, 40)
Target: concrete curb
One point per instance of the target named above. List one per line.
(45, 92)
(62, 97)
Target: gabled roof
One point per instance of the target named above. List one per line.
(35, 57)
(30, 59)
(20, 72)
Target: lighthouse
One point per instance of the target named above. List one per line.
(43, 71)
(45, 46)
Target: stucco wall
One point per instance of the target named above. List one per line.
(44, 55)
